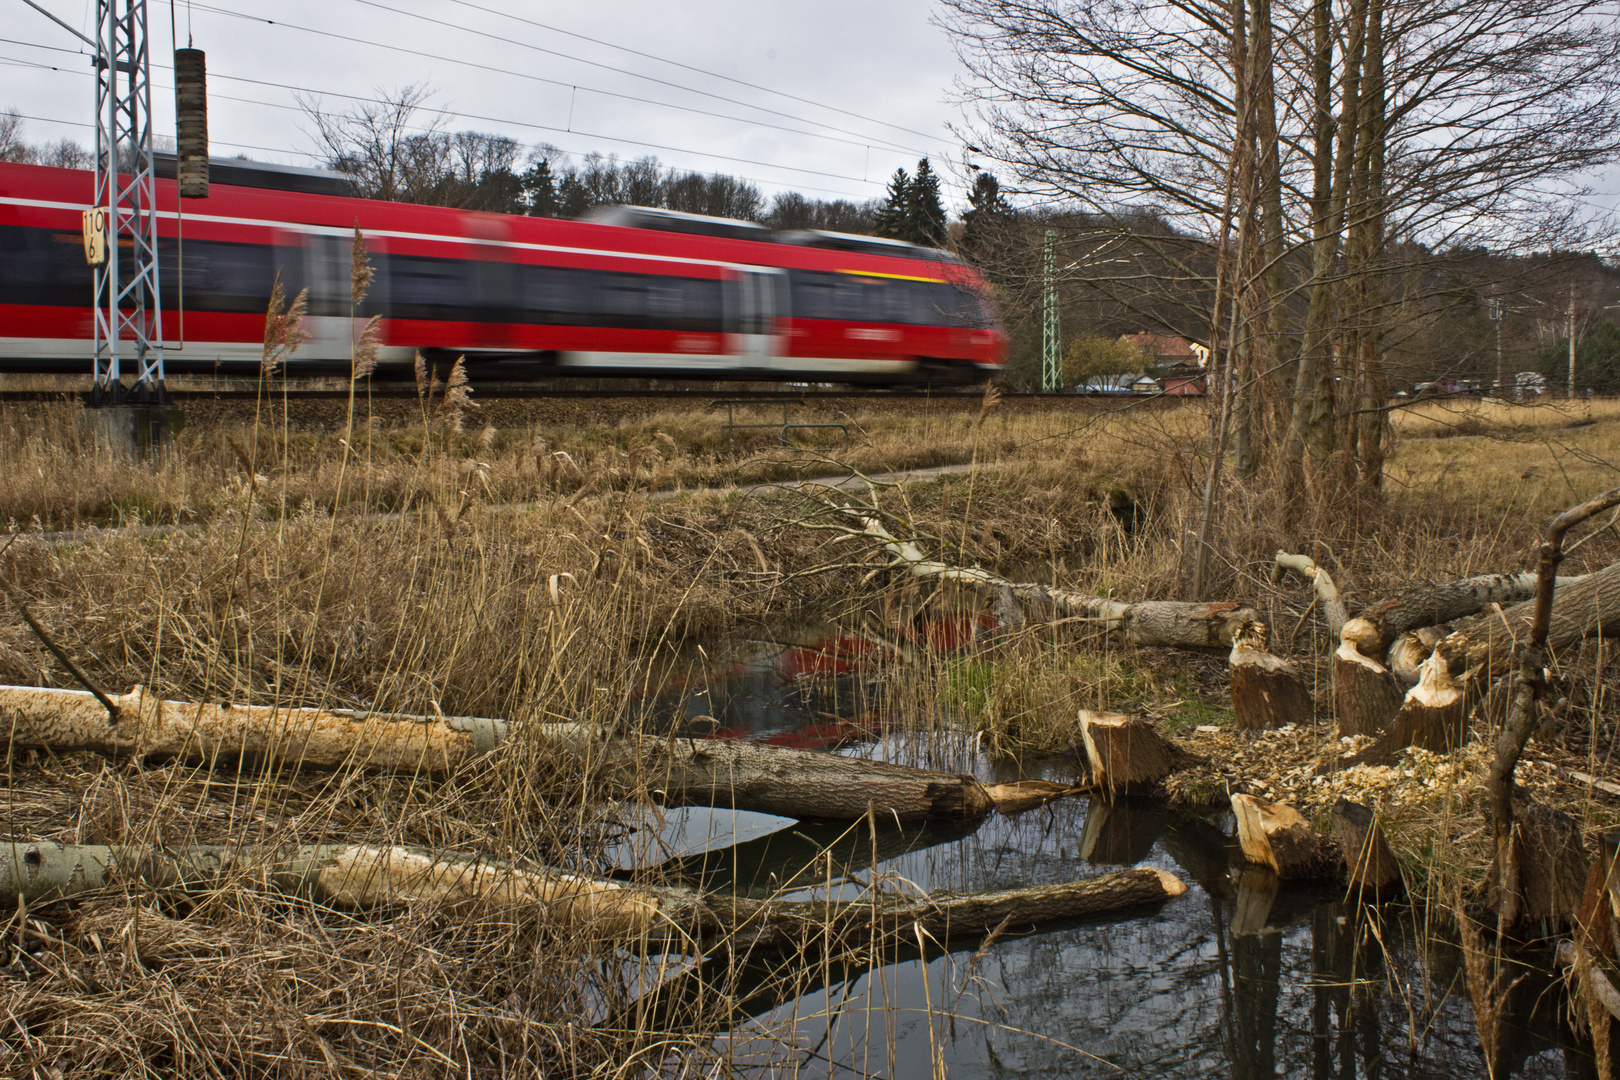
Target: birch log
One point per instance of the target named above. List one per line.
(1171, 623)
(1579, 609)
(362, 877)
(676, 771)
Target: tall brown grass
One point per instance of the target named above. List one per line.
(542, 572)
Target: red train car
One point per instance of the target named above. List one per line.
(656, 294)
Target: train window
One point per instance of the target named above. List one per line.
(425, 287)
(818, 295)
(219, 276)
(558, 296)
(43, 266)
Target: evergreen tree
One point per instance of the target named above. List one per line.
(924, 212)
(893, 217)
(572, 197)
(984, 225)
(985, 202)
(540, 190)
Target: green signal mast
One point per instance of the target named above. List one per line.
(1051, 338)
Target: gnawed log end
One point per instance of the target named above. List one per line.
(1267, 691)
(1274, 835)
(1127, 752)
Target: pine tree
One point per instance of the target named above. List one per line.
(893, 217)
(540, 189)
(925, 213)
(572, 197)
(984, 223)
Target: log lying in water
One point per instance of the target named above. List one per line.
(1275, 835)
(1267, 691)
(1579, 609)
(1171, 623)
(360, 876)
(806, 783)
(715, 772)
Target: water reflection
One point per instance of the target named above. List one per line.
(1237, 978)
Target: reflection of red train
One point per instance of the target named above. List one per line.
(655, 294)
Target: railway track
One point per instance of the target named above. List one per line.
(492, 392)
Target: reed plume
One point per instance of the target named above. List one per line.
(283, 327)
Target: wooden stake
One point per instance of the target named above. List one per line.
(1276, 836)
(1267, 691)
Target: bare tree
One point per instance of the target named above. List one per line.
(12, 147)
(391, 148)
(1293, 147)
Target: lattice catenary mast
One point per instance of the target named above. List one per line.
(128, 296)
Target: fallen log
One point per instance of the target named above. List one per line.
(1276, 836)
(149, 726)
(1267, 691)
(1431, 605)
(362, 877)
(1370, 866)
(1579, 609)
(1170, 623)
(675, 771)
(1365, 695)
(1127, 752)
(1327, 594)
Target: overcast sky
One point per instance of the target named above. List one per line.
(861, 85)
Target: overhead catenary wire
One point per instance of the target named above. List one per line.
(855, 139)
(698, 70)
(447, 113)
(858, 140)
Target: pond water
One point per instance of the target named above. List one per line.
(1232, 979)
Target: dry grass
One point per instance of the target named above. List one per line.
(532, 572)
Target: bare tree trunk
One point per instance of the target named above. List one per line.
(1311, 423)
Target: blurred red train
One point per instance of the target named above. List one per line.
(634, 292)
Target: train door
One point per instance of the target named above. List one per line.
(756, 314)
(318, 265)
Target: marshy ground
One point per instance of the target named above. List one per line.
(513, 560)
